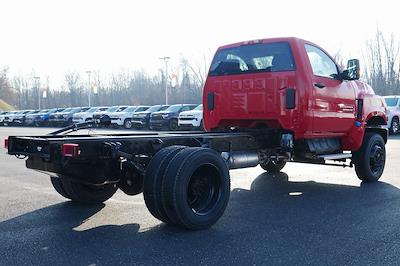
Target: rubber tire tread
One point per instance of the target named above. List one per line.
(58, 186)
(361, 163)
(153, 181)
(176, 180)
(86, 194)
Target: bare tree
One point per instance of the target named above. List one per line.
(382, 68)
(75, 89)
(7, 92)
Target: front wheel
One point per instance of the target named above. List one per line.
(127, 123)
(173, 125)
(273, 166)
(370, 159)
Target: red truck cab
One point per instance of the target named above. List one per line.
(292, 84)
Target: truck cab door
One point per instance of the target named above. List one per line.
(333, 100)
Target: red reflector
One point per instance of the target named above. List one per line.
(6, 143)
(70, 150)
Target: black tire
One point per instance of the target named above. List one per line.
(88, 193)
(370, 159)
(394, 126)
(173, 125)
(196, 188)
(153, 181)
(58, 186)
(272, 166)
(127, 123)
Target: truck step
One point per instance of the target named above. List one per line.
(336, 156)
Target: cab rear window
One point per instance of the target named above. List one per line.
(261, 57)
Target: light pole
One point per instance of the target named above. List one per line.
(89, 87)
(37, 81)
(165, 59)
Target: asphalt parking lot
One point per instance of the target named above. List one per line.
(307, 214)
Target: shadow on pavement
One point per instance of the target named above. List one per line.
(275, 222)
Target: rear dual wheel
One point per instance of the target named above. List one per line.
(82, 192)
(187, 187)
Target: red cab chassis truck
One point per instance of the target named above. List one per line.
(266, 102)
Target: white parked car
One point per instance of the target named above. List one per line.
(88, 115)
(192, 119)
(393, 104)
(7, 119)
(100, 113)
(3, 116)
(124, 117)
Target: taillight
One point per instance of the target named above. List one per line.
(6, 143)
(70, 150)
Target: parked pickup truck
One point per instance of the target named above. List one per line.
(266, 102)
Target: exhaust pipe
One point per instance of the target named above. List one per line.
(241, 159)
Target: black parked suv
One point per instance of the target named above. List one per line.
(141, 119)
(64, 118)
(19, 119)
(169, 117)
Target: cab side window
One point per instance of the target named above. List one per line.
(322, 65)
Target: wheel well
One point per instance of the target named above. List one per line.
(376, 121)
(380, 130)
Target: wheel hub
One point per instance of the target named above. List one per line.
(395, 126)
(377, 158)
(203, 192)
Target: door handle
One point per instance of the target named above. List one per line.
(319, 85)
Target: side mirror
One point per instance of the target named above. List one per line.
(353, 69)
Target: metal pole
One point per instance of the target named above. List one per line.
(165, 59)
(37, 81)
(89, 87)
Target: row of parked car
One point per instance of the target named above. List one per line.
(157, 117)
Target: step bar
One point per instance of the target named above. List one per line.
(338, 156)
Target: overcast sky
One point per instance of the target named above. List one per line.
(53, 37)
